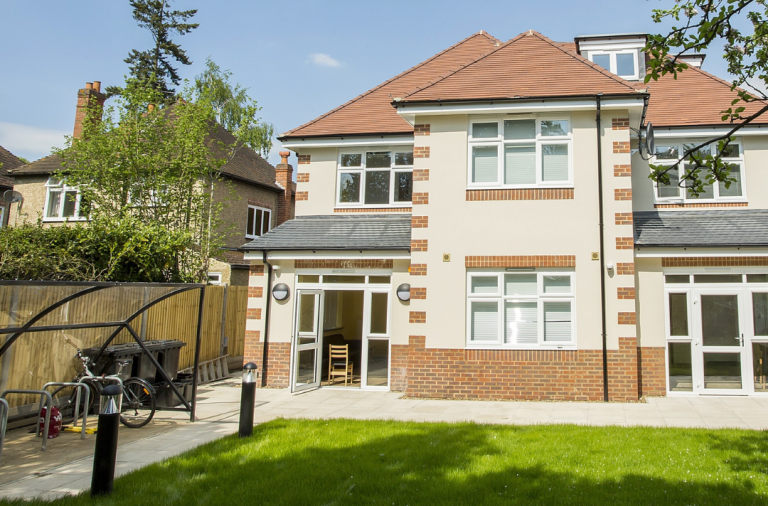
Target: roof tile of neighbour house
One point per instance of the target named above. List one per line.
(701, 228)
(9, 161)
(372, 111)
(528, 66)
(383, 232)
(696, 97)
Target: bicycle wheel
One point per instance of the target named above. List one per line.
(68, 409)
(138, 406)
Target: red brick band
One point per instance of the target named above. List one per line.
(372, 210)
(520, 194)
(715, 262)
(343, 264)
(520, 261)
(694, 204)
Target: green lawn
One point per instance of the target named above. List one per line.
(305, 462)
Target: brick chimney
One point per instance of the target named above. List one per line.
(91, 95)
(284, 178)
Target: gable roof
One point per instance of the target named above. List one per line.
(372, 112)
(528, 66)
(9, 161)
(696, 97)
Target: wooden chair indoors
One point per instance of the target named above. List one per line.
(338, 363)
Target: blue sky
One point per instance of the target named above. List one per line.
(300, 58)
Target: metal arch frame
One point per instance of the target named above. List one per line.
(91, 287)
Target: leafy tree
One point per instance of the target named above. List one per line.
(233, 108)
(157, 165)
(742, 25)
(162, 22)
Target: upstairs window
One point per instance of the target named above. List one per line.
(668, 153)
(621, 63)
(522, 153)
(63, 201)
(259, 222)
(375, 178)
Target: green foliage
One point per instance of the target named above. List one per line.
(743, 26)
(233, 108)
(158, 167)
(154, 65)
(103, 250)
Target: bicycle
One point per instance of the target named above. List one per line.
(138, 404)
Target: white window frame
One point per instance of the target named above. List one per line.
(614, 66)
(2, 216)
(248, 233)
(217, 281)
(683, 197)
(362, 170)
(540, 298)
(55, 185)
(538, 141)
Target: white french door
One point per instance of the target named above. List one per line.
(307, 340)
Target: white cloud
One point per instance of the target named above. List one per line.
(28, 141)
(323, 60)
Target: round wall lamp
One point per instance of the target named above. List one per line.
(404, 292)
(280, 291)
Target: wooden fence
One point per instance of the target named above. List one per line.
(39, 357)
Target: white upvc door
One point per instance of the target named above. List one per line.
(376, 356)
(308, 340)
(721, 342)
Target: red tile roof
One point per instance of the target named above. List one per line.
(696, 97)
(372, 111)
(530, 65)
(9, 161)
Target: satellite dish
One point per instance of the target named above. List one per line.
(647, 140)
(12, 196)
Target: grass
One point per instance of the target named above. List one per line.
(324, 462)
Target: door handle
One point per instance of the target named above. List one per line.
(741, 339)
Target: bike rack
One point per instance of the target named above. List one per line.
(49, 404)
(3, 423)
(78, 387)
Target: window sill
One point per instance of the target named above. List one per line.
(63, 220)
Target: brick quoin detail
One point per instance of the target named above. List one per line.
(255, 291)
(652, 371)
(373, 210)
(620, 123)
(622, 194)
(302, 177)
(520, 261)
(625, 243)
(343, 264)
(302, 196)
(721, 204)
(421, 174)
(419, 221)
(304, 159)
(623, 371)
(622, 170)
(420, 198)
(256, 270)
(253, 313)
(623, 218)
(422, 152)
(419, 130)
(418, 245)
(627, 268)
(621, 147)
(626, 317)
(520, 194)
(715, 262)
(417, 317)
(625, 292)
(418, 294)
(276, 373)
(418, 269)
(254, 202)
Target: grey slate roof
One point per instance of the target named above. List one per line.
(701, 228)
(377, 232)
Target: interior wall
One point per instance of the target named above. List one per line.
(351, 303)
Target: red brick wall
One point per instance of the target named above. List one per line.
(622, 371)
(520, 194)
(398, 374)
(276, 374)
(652, 371)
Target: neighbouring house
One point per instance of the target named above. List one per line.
(483, 226)
(8, 161)
(266, 194)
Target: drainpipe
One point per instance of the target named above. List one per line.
(602, 246)
(268, 295)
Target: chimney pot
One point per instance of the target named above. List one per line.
(97, 86)
(88, 86)
(284, 155)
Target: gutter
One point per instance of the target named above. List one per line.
(264, 352)
(439, 102)
(602, 246)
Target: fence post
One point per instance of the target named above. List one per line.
(223, 343)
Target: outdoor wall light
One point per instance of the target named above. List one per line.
(404, 292)
(249, 373)
(280, 291)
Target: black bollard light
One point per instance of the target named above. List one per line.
(106, 440)
(248, 399)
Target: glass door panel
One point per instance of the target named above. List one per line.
(719, 346)
(307, 340)
(375, 359)
(760, 366)
(378, 363)
(722, 371)
(720, 320)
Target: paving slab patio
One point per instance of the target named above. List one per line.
(66, 467)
